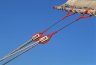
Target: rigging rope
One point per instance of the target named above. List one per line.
(67, 15)
(31, 45)
(35, 44)
(82, 16)
(18, 51)
(28, 42)
(19, 48)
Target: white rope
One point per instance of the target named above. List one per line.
(18, 48)
(20, 54)
(18, 51)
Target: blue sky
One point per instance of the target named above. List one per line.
(20, 19)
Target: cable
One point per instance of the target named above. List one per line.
(20, 54)
(28, 42)
(82, 16)
(14, 51)
(18, 51)
(67, 15)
